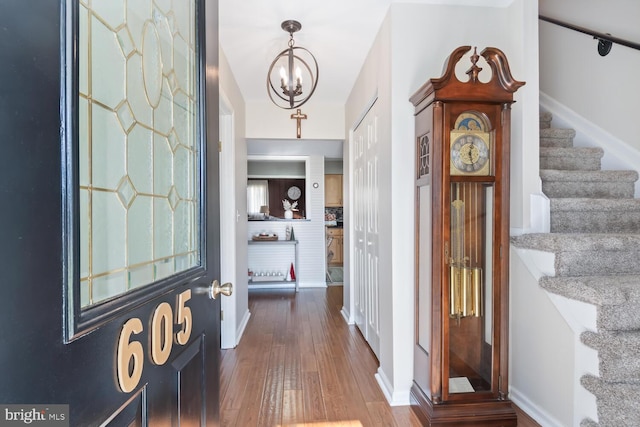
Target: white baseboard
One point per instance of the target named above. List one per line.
(242, 326)
(347, 316)
(393, 397)
(312, 284)
(534, 411)
(617, 153)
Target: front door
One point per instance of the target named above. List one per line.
(109, 240)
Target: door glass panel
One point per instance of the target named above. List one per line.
(138, 151)
(470, 287)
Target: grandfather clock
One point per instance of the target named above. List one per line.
(462, 241)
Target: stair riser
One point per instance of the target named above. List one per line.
(623, 317)
(580, 189)
(597, 263)
(623, 369)
(617, 413)
(595, 222)
(556, 142)
(570, 163)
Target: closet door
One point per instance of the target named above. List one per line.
(366, 228)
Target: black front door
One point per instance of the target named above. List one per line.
(109, 223)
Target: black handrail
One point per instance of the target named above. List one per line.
(602, 37)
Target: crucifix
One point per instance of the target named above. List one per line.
(298, 116)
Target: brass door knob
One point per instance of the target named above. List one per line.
(216, 288)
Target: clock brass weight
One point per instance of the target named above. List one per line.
(463, 139)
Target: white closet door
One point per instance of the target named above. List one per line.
(366, 228)
(359, 266)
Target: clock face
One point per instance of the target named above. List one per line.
(469, 155)
(294, 192)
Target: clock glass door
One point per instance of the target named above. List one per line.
(470, 285)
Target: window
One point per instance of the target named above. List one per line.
(257, 195)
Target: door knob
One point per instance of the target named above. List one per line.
(215, 288)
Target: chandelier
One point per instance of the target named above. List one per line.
(293, 74)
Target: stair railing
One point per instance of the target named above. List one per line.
(605, 40)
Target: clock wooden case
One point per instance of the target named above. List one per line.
(463, 131)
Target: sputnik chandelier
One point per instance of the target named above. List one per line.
(293, 74)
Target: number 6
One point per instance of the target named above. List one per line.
(130, 357)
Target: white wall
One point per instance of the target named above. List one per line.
(604, 90)
(324, 121)
(411, 47)
(542, 351)
(236, 308)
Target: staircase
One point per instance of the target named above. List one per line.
(595, 236)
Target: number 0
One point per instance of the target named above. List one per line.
(161, 333)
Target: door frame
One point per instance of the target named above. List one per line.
(228, 219)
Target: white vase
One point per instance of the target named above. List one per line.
(288, 214)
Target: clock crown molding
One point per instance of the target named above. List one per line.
(448, 88)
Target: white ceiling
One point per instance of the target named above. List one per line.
(339, 33)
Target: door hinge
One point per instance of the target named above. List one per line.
(222, 315)
(219, 146)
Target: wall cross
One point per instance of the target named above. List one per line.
(298, 116)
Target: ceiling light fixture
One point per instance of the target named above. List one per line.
(293, 74)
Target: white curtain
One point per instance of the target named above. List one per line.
(257, 195)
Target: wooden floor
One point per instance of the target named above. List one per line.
(300, 364)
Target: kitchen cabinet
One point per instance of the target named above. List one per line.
(336, 245)
(333, 190)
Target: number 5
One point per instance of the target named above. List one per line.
(183, 317)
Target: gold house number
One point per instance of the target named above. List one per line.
(130, 355)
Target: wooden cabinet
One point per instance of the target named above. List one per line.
(336, 246)
(333, 190)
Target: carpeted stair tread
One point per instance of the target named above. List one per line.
(595, 205)
(571, 158)
(588, 422)
(587, 254)
(617, 402)
(617, 297)
(597, 290)
(589, 176)
(597, 184)
(564, 242)
(617, 352)
(589, 215)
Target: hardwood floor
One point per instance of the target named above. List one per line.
(300, 364)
